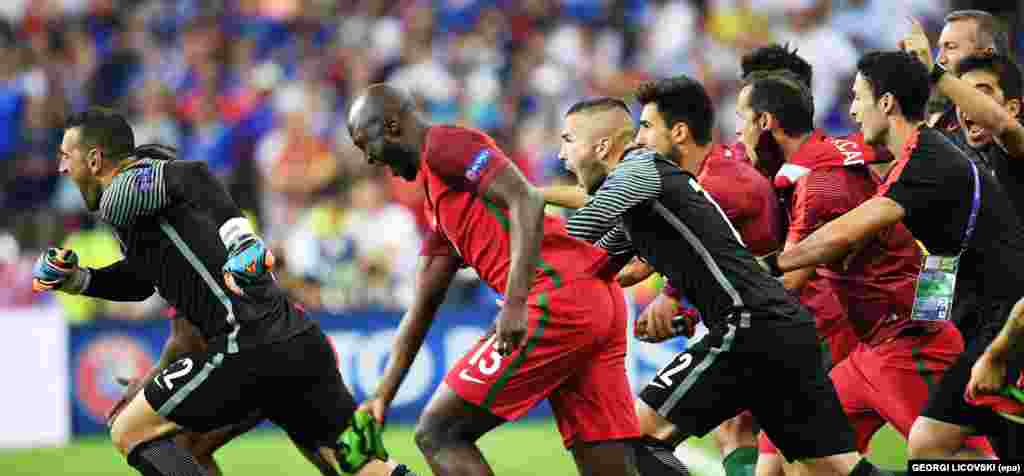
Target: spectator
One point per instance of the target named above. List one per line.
(294, 163)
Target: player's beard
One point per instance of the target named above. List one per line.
(766, 155)
(403, 159)
(91, 195)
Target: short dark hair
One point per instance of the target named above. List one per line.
(681, 99)
(599, 104)
(1004, 67)
(785, 96)
(777, 57)
(991, 31)
(901, 74)
(104, 128)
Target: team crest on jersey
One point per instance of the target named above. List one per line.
(477, 167)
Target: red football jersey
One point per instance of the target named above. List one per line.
(458, 164)
(877, 287)
(746, 197)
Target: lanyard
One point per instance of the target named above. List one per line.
(975, 206)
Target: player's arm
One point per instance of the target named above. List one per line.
(525, 205)
(630, 184)
(979, 106)
(120, 282)
(819, 197)
(249, 260)
(984, 110)
(434, 275)
(565, 196)
(839, 237)
(989, 373)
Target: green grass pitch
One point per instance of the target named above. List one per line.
(520, 449)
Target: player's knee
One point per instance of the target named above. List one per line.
(928, 441)
(431, 435)
(124, 436)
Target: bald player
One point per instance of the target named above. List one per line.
(745, 196)
(561, 334)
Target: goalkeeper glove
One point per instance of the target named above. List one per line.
(57, 269)
(249, 261)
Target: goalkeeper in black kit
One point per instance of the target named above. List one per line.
(183, 237)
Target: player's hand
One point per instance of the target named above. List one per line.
(57, 269)
(510, 328)
(916, 43)
(249, 262)
(376, 407)
(988, 375)
(655, 322)
(132, 388)
(634, 272)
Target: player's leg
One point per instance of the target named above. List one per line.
(799, 408)
(447, 433)
(737, 442)
(203, 445)
(318, 412)
(699, 389)
(948, 422)
(200, 392)
(594, 408)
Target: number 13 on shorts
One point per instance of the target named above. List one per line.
(483, 363)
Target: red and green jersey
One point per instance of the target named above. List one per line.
(458, 164)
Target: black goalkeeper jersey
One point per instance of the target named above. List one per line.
(651, 208)
(167, 216)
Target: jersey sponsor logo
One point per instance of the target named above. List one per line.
(100, 364)
(477, 167)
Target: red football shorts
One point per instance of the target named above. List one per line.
(890, 382)
(575, 356)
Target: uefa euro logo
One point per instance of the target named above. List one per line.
(477, 167)
(100, 364)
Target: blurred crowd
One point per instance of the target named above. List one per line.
(259, 89)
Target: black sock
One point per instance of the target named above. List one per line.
(656, 457)
(161, 457)
(865, 468)
(401, 470)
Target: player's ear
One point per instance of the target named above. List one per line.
(602, 147)
(392, 128)
(765, 121)
(1013, 108)
(94, 160)
(887, 103)
(680, 132)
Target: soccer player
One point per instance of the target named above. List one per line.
(955, 211)
(184, 237)
(887, 377)
(748, 201)
(645, 205)
(746, 197)
(561, 333)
